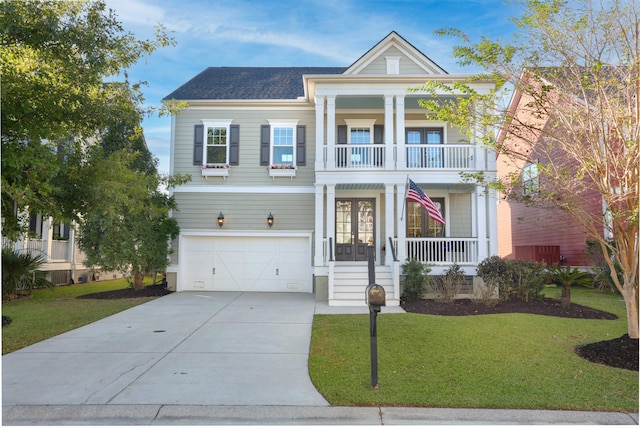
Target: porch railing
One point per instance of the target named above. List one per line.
(443, 156)
(443, 250)
(38, 247)
(354, 156)
(59, 250)
(424, 156)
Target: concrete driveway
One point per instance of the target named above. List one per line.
(208, 348)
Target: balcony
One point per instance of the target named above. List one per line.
(454, 157)
(360, 156)
(449, 156)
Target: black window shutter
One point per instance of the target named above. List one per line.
(234, 145)
(198, 140)
(265, 138)
(301, 145)
(378, 134)
(65, 231)
(342, 134)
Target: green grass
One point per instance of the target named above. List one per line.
(50, 312)
(517, 361)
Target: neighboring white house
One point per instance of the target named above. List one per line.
(55, 242)
(296, 170)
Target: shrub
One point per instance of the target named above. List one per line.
(415, 279)
(567, 278)
(20, 274)
(447, 287)
(485, 295)
(602, 272)
(516, 279)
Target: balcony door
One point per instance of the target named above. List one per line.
(355, 220)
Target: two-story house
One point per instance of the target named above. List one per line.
(297, 170)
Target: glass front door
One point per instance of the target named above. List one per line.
(355, 220)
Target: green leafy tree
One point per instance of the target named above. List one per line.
(128, 227)
(55, 57)
(575, 69)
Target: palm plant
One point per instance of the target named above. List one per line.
(568, 277)
(20, 273)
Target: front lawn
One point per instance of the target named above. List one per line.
(49, 312)
(518, 361)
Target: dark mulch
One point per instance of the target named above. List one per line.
(551, 307)
(621, 352)
(129, 292)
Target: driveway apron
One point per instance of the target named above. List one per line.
(191, 348)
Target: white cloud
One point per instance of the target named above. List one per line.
(136, 12)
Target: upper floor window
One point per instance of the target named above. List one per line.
(363, 140)
(216, 147)
(283, 149)
(421, 156)
(530, 179)
(283, 146)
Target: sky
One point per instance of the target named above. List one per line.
(280, 33)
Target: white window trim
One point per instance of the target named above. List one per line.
(220, 123)
(279, 123)
(360, 123)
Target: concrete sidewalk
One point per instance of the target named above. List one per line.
(207, 358)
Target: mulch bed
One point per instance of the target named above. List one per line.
(156, 290)
(620, 353)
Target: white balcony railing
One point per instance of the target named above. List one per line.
(59, 250)
(447, 156)
(424, 156)
(443, 250)
(354, 156)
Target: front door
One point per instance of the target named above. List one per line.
(355, 219)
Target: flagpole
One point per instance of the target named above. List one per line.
(404, 201)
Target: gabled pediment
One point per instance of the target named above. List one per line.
(393, 55)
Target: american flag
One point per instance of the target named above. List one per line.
(416, 194)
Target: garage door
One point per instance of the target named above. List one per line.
(246, 264)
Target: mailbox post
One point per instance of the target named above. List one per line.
(376, 299)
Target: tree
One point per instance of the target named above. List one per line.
(128, 227)
(54, 59)
(567, 277)
(574, 68)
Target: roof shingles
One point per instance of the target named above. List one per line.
(248, 83)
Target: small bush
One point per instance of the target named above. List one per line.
(415, 279)
(20, 273)
(447, 287)
(516, 279)
(485, 295)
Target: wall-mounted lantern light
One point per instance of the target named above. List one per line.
(270, 219)
(220, 219)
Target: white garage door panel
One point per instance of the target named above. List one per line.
(247, 264)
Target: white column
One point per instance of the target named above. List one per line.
(389, 222)
(388, 132)
(331, 132)
(400, 140)
(319, 227)
(47, 237)
(402, 221)
(492, 213)
(331, 215)
(481, 220)
(319, 133)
